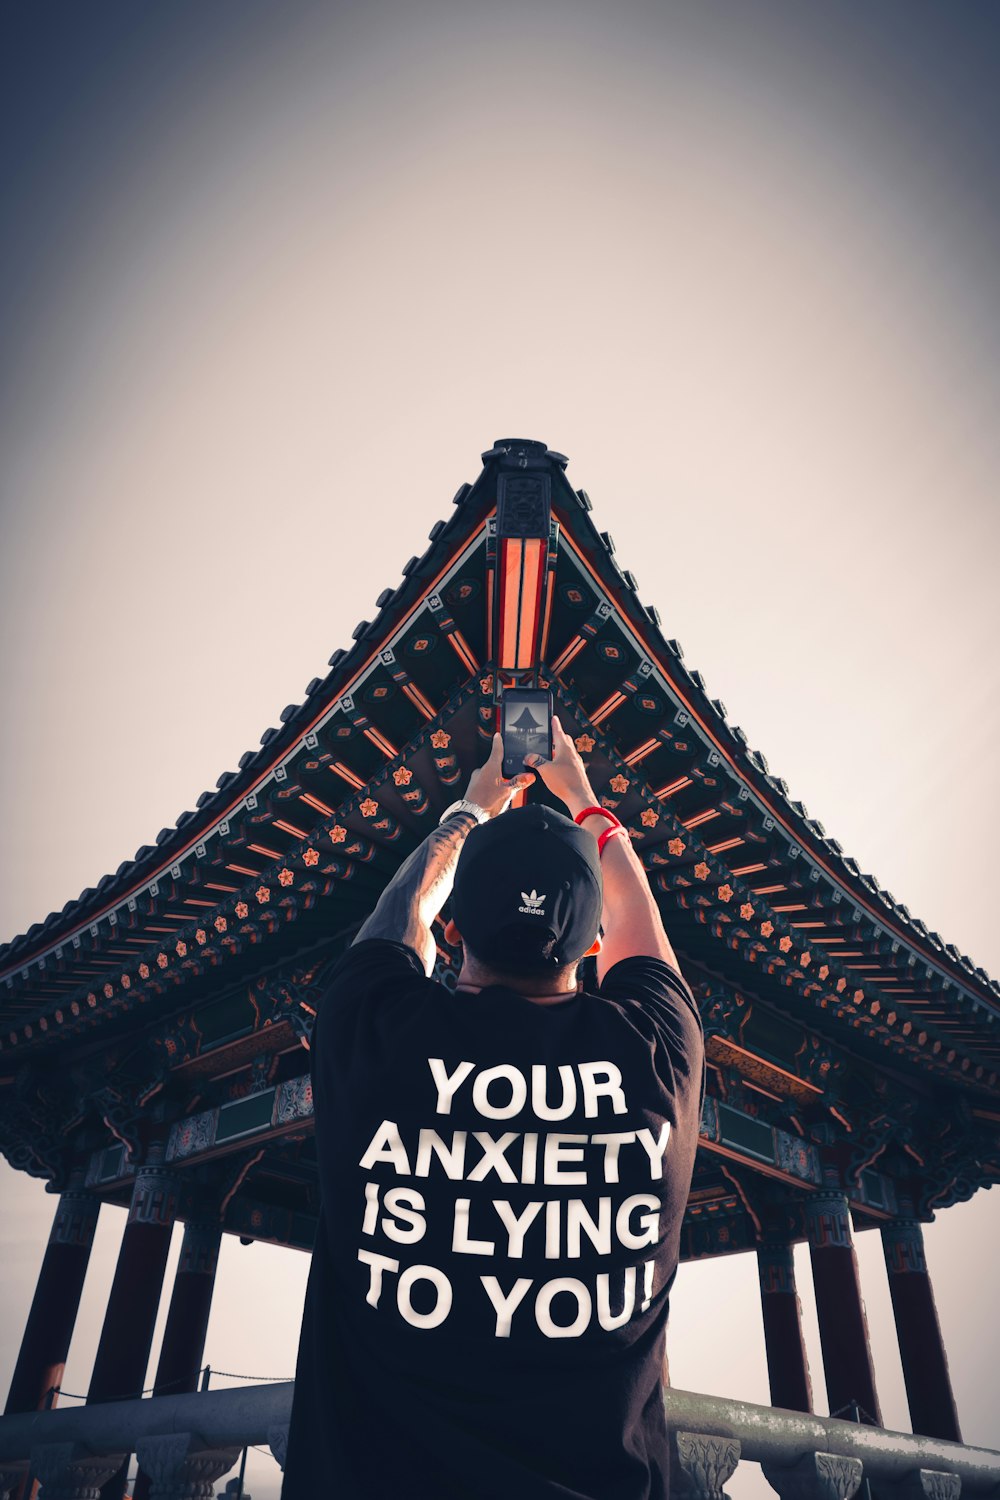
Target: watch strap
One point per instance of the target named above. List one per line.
(463, 805)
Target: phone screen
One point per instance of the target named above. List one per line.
(526, 726)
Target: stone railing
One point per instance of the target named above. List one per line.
(187, 1443)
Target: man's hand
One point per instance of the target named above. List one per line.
(565, 775)
(631, 920)
(487, 787)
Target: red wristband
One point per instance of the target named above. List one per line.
(587, 811)
(610, 833)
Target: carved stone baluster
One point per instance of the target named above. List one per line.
(180, 1471)
(817, 1476)
(923, 1484)
(277, 1441)
(701, 1465)
(66, 1471)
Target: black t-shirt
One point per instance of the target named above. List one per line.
(502, 1188)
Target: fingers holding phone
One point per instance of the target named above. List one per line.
(564, 773)
(489, 787)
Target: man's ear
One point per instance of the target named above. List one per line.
(595, 947)
(452, 934)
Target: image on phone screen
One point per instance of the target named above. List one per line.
(526, 728)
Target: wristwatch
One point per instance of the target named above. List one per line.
(464, 806)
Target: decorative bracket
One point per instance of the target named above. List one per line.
(702, 1464)
(179, 1470)
(816, 1476)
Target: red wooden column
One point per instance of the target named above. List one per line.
(921, 1349)
(46, 1341)
(190, 1304)
(787, 1365)
(843, 1325)
(187, 1320)
(123, 1351)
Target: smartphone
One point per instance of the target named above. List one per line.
(526, 727)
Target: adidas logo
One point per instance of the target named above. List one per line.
(532, 904)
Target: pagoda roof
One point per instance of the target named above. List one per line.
(315, 820)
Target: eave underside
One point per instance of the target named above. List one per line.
(178, 960)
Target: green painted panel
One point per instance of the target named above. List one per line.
(245, 1116)
(743, 1133)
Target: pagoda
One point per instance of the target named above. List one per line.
(154, 1033)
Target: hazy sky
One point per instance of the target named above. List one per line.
(272, 276)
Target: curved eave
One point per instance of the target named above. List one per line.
(233, 787)
(772, 792)
(591, 554)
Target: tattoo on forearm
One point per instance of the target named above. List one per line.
(420, 887)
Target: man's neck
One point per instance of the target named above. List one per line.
(539, 991)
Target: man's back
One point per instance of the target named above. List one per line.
(503, 1185)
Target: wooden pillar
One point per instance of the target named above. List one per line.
(190, 1304)
(187, 1320)
(47, 1335)
(921, 1349)
(787, 1365)
(843, 1325)
(127, 1334)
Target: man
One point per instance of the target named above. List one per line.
(503, 1170)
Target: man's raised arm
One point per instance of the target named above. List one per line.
(406, 909)
(631, 920)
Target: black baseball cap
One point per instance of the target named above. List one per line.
(528, 890)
